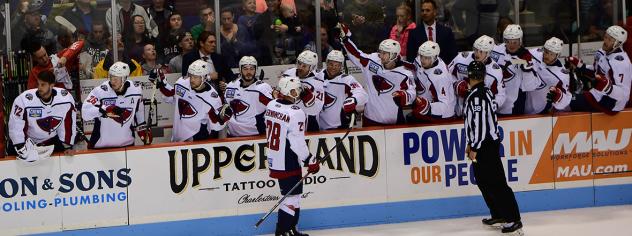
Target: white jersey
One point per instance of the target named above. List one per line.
(119, 131)
(436, 85)
(337, 90)
(381, 83)
(285, 132)
(554, 75)
(193, 109)
(316, 85)
(248, 105)
(493, 80)
(43, 121)
(515, 78)
(617, 68)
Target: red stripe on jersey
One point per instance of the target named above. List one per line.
(68, 125)
(167, 92)
(263, 99)
(354, 51)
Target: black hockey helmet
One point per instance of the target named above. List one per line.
(476, 70)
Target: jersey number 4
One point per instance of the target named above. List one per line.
(273, 131)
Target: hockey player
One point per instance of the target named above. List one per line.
(199, 113)
(42, 116)
(390, 85)
(555, 89)
(343, 94)
(287, 151)
(517, 67)
(117, 110)
(612, 73)
(435, 94)
(248, 98)
(494, 80)
(313, 90)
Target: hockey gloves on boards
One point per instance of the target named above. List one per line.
(421, 108)
(30, 153)
(144, 133)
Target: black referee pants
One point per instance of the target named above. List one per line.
(490, 178)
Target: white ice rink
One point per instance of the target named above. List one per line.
(601, 221)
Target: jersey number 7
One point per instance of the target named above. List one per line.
(273, 131)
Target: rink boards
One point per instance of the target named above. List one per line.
(379, 175)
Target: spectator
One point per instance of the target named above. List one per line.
(328, 45)
(271, 31)
(246, 23)
(401, 30)
(149, 60)
(102, 68)
(96, 42)
(476, 18)
(185, 45)
(82, 14)
(430, 30)
(126, 11)
(168, 46)
(232, 38)
(33, 29)
(207, 22)
(137, 39)
(503, 22)
(160, 13)
(600, 18)
(364, 19)
(206, 44)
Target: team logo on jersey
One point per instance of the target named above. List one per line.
(461, 68)
(214, 95)
(124, 117)
(465, 54)
(29, 96)
(495, 55)
(619, 58)
(438, 71)
(64, 92)
(495, 66)
(185, 109)
(104, 87)
(180, 91)
(374, 67)
(239, 107)
(508, 75)
(330, 100)
(230, 92)
(36, 112)
(108, 102)
(382, 85)
(49, 124)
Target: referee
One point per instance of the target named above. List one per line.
(483, 148)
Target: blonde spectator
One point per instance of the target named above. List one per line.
(404, 26)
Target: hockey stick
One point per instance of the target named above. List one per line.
(344, 51)
(319, 161)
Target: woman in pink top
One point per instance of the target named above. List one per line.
(404, 25)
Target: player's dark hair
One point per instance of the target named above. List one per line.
(46, 76)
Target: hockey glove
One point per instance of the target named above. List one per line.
(344, 31)
(400, 97)
(421, 108)
(314, 165)
(144, 133)
(157, 76)
(603, 84)
(575, 61)
(350, 105)
(225, 113)
(461, 88)
(307, 96)
(554, 95)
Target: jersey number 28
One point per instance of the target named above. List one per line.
(273, 131)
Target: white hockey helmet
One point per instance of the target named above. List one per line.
(618, 33)
(554, 45)
(484, 43)
(392, 47)
(336, 55)
(248, 61)
(308, 57)
(512, 31)
(289, 83)
(429, 49)
(199, 68)
(119, 69)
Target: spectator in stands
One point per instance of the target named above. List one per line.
(82, 14)
(160, 13)
(101, 69)
(431, 30)
(271, 31)
(96, 42)
(207, 22)
(168, 46)
(476, 18)
(246, 23)
(185, 45)
(232, 38)
(600, 18)
(136, 41)
(206, 44)
(149, 60)
(402, 29)
(328, 45)
(366, 20)
(126, 11)
(32, 27)
(503, 22)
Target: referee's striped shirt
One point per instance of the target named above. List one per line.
(481, 122)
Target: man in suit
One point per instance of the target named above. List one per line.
(430, 30)
(206, 44)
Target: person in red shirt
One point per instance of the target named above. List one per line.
(41, 61)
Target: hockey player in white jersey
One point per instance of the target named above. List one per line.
(389, 84)
(555, 89)
(199, 111)
(313, 87)
(611, 75)
(517, 67)
(43, 116)
(248, 98)
(343, 94)
(287, 151)
(494, 79)
(117, 110)
(435, 94)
